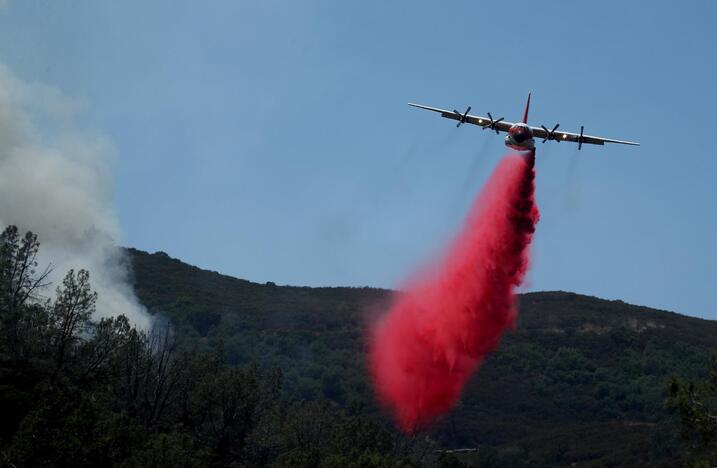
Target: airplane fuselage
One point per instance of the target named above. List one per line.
(520, 137)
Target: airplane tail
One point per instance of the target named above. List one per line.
(527, 106)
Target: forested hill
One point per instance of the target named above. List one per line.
(581, 379)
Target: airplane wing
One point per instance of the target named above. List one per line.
(557, 135)
(538, 132)
(485, 122)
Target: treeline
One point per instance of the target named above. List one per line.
(79, 392)
(76, 391)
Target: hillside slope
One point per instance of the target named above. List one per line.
(579, 380)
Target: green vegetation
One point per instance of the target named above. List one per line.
(696, 403)
(258, 374)
(580, 379)
(80, 393)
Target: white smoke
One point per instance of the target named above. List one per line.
(56, 181)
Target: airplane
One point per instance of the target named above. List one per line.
(520, 134)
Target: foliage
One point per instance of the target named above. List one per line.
(84, 393)
(585, 371)
(263, 375)
(696, 404)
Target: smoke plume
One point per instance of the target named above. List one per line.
(444, 323)
(56, 182)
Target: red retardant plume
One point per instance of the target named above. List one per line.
(443, 324)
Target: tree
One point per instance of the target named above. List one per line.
(696, 404)
(147, 371)
(110, 338)
(230, 411)
(20, 282)
(70, 316)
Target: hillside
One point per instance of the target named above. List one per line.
(580, 379)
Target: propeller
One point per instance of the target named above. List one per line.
(550, 134)
(463, 118)
(492, 124)
(581, 139)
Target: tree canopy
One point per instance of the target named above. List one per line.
(79, 392)
(234, 373)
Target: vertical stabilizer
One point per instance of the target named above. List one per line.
(527, 107)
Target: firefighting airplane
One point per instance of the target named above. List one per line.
(520, 134)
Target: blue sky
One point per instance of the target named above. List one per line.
(271, 140)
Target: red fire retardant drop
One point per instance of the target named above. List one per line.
(441, 327)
